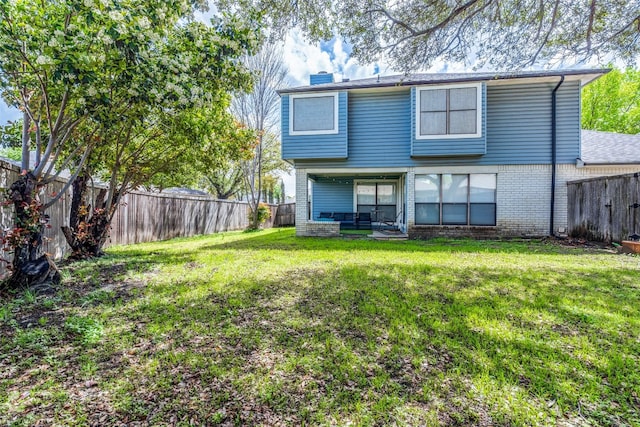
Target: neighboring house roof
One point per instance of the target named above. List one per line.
(584, 75)
(609, 148)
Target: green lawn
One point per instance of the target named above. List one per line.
(269, 329)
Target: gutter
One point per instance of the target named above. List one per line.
(554, 144)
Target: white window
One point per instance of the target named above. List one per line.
(313, 114)
(449, 111)
(456, 199)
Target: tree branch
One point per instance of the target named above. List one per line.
(634, 20)
(395, 21)
(429, 31)
(25, 141)
(592, 15)
(53, 142)
(554, 17)
(69, 181)
(62, 167)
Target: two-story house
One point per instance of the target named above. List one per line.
(472, 154)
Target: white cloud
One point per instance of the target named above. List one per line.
(303, 59)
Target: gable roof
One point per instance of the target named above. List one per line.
(609, 148)
(583, 75)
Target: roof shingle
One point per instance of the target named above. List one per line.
(608, 148)
(434, 78)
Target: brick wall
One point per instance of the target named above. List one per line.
(431, 231)
(322, 228)
(523, 200)
(524, 196)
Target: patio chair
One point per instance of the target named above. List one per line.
(393, 223)
(363, 221)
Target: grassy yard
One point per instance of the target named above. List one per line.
(268, 329)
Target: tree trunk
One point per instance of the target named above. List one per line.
(31, 267)
(88, 229)
(255, 193)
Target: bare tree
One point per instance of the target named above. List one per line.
(259, 111)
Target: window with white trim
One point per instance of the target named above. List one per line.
(455, 199)
(313, 114)
(449, 111)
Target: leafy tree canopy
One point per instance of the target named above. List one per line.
(114, 66)
(176, 118)
(10, 134)
(197, 142)
(64, 62)
(100, 83)
(169, 122)
(503, 33)
(612, 103)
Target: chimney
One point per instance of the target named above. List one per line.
(320, 78)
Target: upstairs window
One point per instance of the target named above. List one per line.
(313, 114)
(449, 112)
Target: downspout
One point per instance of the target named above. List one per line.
(554, 144)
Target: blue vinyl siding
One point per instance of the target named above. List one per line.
(328, 146)
(519, 123)
(569, 122)
(518, 129)
(449, 146)
(332, 195)
(379, 128)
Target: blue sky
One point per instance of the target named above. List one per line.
(7, 113)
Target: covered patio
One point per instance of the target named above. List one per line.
(344, 201)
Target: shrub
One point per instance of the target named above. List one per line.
(264, 213)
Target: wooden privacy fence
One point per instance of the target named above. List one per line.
(285, 215)
(144, 216)
(148, 217)
(604, 208)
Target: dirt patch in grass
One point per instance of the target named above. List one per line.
(578, 243)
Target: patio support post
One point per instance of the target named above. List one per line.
(411, 199)
(302, 202)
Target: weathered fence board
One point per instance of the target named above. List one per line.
(604, 208)
(285, 215)
(143, 216)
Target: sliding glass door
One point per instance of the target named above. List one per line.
(378, 198)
